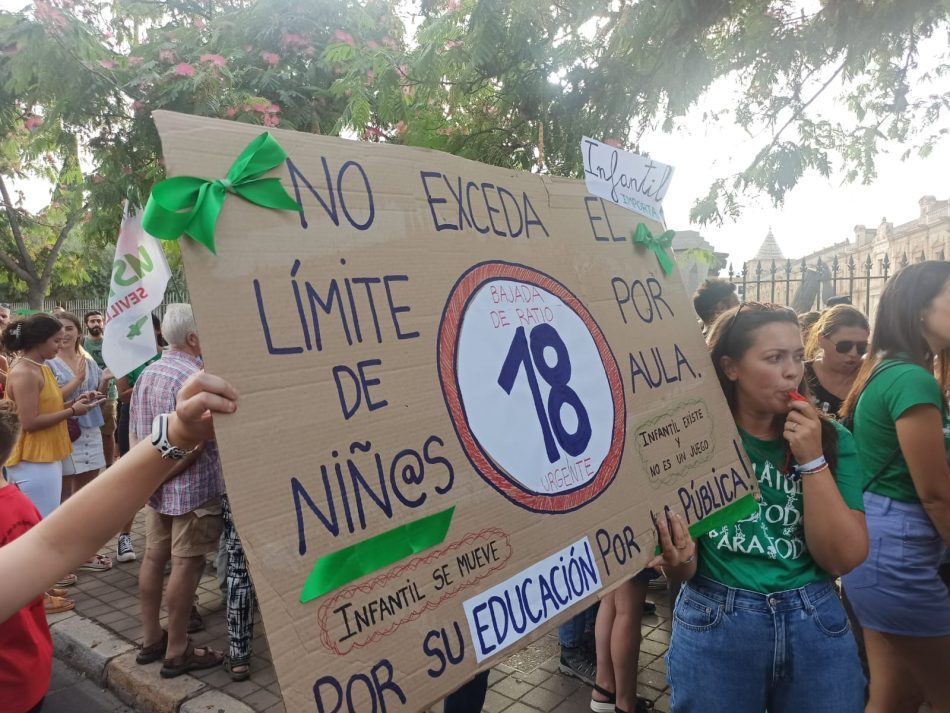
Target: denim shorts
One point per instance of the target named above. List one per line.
(738, 651)
(898, 589)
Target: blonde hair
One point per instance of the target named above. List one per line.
(830, 321)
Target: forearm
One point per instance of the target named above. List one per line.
(46, 420)
(33, 562)
(836, 535)
(939, 513)
(71, 385)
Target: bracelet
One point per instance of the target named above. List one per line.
(690, 559)
(72, 411)
(812, 464)
(816, 470)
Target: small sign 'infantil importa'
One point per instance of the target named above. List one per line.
(463, 396)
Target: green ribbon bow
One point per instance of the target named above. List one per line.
(189, 205)
(658, 245)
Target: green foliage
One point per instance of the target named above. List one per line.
(514, 83)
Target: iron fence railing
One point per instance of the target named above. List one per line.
(804, 287)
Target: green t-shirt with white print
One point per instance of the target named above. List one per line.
(766, 552)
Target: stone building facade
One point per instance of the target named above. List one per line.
(882, 250)
(858, 267)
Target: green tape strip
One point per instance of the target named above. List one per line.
(343, 566)
(732, 513)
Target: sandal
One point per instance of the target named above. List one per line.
(607, 706)
(644, 705)
(57, 605)
(191, 660)
(233, 664)
(57, 592)
(196, 622)
(67, 581)
(152, 652)
(98, 563)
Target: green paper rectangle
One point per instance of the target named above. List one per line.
(743, 507)
(344, 566)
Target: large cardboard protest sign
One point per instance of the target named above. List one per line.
(464, 394)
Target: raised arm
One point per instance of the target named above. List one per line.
(64, 540)
(836, 533)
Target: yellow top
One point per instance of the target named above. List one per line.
(47, 445)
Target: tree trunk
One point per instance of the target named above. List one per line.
(36, 293)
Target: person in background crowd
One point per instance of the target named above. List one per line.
(4, 315)
(806, 321)
(124, 550)
(902, 430)
(241, 600)
(835, 300)
(76, 372)
(617, 640)
(35, 465)
(183, 520)
(470, 697)
(759, 626)
(712, 298)
(95, 326)
(26, 647)
(835, 349)
(578, 658)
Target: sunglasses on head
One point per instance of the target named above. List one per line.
(846, 345)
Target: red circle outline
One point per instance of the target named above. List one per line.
(452, 315)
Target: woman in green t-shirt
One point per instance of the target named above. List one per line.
(759, 625)
(902, 431)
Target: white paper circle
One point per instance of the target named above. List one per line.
(507, 426)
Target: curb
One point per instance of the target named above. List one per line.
(109, 660)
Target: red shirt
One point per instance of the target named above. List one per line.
(26, 648)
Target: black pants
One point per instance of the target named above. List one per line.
(469, 698)
(122, 429)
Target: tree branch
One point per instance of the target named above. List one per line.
(53, 254)
(797, 114)
(12, 266)
(28, 266)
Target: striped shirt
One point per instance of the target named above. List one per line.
(154, 393)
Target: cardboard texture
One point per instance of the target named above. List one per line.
(431, 332)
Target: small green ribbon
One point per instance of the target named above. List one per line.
(658, 245)
(189, 205)
(343, 566)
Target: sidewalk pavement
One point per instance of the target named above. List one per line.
(101, 636)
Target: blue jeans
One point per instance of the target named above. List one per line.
(571, 632)
(737, 651)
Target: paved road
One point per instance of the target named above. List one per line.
(70, 692)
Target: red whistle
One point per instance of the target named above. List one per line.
(795, 396)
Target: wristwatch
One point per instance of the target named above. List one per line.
(160, 439)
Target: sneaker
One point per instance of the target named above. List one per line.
(124, 550)
(578, 662)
